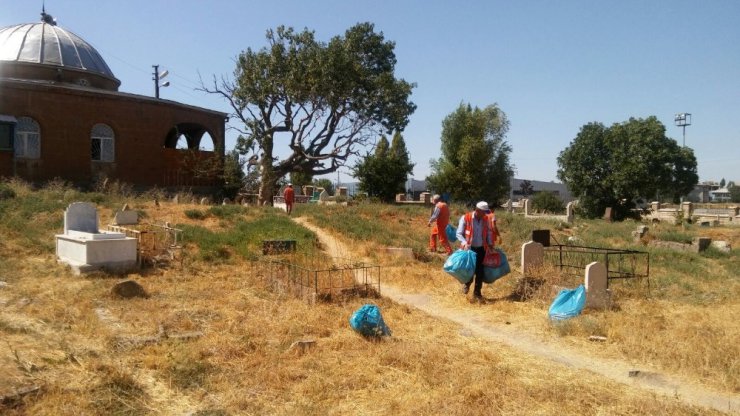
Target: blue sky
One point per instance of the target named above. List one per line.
(551, 66)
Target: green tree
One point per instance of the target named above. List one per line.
(526, 188)
(722, 183)
(233, 174)
(734, 193)
(546, 201)
(383, 174)
(323, 101)
(613, 166)
(475, 156)
(324, 183)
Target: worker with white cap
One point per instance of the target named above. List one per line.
(475, 233)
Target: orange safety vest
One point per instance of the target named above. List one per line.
(444, 215)
(288, 195)
(487, 233)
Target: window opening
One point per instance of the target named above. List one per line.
(103, 143)
(27, 138)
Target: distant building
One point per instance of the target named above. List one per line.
(62, 116)
(557, 188)
(720, 195)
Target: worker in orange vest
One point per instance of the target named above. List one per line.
(289, 197)
(440, 217)
(475, 231)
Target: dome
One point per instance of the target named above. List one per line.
(47, 44)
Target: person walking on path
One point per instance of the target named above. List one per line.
(475, 233)
(440, 217)
(289, 197)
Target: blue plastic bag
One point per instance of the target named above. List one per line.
(568, 303)
(451, 233)
(369, 322)
(491, 274)
(461, 264)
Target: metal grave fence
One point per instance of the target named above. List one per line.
(315, 278)
(620, 264)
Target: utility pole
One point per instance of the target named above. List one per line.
(683, 120)
(157, 77)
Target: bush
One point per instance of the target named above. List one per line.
(547, 202)
(195, 214)
(6, 192)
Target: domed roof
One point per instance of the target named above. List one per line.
(48, 44)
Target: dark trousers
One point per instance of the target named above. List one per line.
(480, 252)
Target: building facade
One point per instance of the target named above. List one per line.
(62, 116)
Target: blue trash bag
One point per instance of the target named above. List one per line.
(451, 233)
(368, 321)
(491, 274)
(461, 264)
(568, 303)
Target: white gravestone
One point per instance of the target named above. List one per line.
(597, 295)
(533, 256)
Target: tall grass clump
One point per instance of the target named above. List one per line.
(245, 238)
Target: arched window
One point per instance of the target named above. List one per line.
(27, 138)
(103, 143)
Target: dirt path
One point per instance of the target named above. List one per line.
(616, 370)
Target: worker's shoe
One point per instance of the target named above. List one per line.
(477, 298)
(464, 289)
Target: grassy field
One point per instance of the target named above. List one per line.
(78, 349)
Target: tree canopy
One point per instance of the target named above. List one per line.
(475, 156)
(613, 166)
(323, 101)
(384, 173)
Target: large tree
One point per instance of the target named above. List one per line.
(323, 101)
(613, 166)
(475, 155)
(383, 174)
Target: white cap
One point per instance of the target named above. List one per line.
(290, 184)
(482, 205)
(436, 197)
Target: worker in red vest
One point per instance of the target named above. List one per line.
(289, 197)
(440, 217)
(475, 232)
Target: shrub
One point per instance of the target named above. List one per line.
(547, 202)
(6, 192)
(195, 214)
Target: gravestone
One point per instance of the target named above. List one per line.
(426, 197)
(324, 196)
(509, 206)
(81, 216)
(400, 197)
(533, 256)
(308, 190)
(84, 248)
(525, 201)
(596, 281)
(126, 218)
(542, 237)
(342, 191)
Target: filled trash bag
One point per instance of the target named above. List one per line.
(461, 264)
(491, 274)
(568, 303)
(451, 233)
(369, 322)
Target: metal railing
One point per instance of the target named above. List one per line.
(314, 278)
(154, 241)
(620, 264)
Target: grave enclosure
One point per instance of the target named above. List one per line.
(85, 248)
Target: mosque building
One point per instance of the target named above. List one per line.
(62, 116)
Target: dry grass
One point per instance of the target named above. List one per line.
(62, 333)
